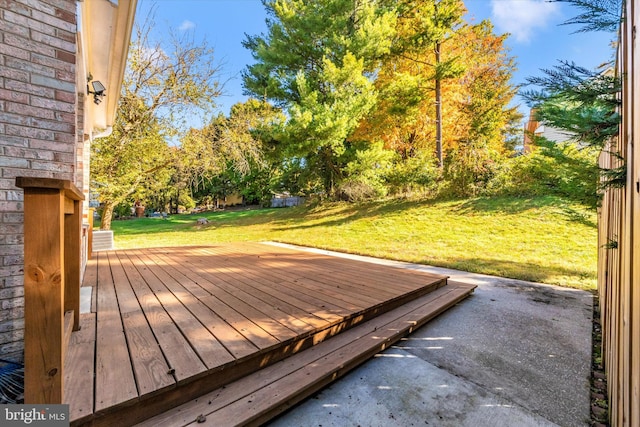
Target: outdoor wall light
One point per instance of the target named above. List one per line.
(98, 91)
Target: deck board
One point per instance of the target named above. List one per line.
(230, 281)
(311, 296)
(260, 297)
(204, 342)
(149, 365)
(259, 396)
(189, 292)
(115, 383)
(182, 359)
(174, 323)
(244, 304)
(234, 342)
(335, 283)
(79, 367)
(333, 271)
(290, 298)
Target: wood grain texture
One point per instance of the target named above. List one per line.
(72, 261)
(207, 316)
(115, 383)
(180, 355)
(258, 397)
(181, 287)
(52, 262)
(66, 187)
(79, 369)
(43, 295)
(619, 223)
(149, 365)
(203, 341)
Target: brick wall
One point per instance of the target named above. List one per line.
(38, 107)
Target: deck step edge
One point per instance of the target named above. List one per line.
(262, 395)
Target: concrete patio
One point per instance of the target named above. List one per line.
(513, 354)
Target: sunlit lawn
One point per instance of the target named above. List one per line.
(543, 239)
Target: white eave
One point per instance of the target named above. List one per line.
(104, 34)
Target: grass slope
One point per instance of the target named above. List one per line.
(543, 239)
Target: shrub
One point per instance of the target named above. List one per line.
(358, 191)
(553, 168)
(418, 174)
(468, 171)
(365, 174)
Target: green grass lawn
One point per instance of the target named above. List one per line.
(543, 239)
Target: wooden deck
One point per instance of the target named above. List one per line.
(169, 325)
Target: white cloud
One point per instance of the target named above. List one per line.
(186, 26)
(522, 17)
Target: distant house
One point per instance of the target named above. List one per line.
(232, 199)
(534, 127)
(53, 53)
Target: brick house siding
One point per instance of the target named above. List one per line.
(40, 131)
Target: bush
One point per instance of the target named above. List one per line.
(557, 168)
(359, 191)
(468, 169)
(414, 175)
(366, 174)
(122, 210)
(517, 176)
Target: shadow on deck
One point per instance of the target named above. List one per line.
(232, 334)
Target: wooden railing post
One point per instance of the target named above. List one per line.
(72, 259)
(90, 233)
(52, 221)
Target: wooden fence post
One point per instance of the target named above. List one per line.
(52, 221)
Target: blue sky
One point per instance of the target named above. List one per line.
(537, 38)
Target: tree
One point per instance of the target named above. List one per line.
(163, 86)
(477, 118)
(582, 102)
(317, 61)
(416, 76)
(236, 142)
(121, 163)
(484, 120)
(596, 15)
(429, 26)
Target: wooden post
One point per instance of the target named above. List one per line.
(51, 210)
(72, 258)
(90, 235)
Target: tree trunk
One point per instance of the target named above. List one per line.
(438, 107)
(107, 215)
